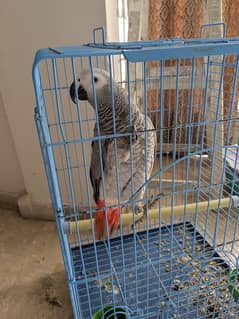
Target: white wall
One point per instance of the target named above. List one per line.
(26, 26)
(112, 20)
(11, 180)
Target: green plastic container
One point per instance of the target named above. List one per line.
(109, 312)
(233, 277)
(231, 183)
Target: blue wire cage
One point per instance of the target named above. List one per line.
(182, 260)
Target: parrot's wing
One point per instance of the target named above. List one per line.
(97, 157)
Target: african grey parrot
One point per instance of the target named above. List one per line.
(126, 170)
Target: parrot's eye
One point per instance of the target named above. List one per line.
(95, 79)
(78, 79)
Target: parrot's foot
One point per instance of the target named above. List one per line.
(139, 210)
(144, 209)
(140, 219)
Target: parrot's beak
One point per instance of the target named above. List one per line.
(81, 92)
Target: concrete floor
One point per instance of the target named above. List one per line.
(32, 279)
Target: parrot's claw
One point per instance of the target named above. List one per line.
(144, 209)
(140, 220)
(138, 209)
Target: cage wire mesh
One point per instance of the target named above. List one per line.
(182, 260)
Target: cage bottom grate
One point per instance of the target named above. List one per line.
(168, 272)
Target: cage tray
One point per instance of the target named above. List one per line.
(168, 272)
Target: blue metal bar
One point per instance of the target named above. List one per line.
(49, 161)
(149, 51)
(132, 199)
(205, 107)
(62, 131)
(233, 90)
(219, 107)
(144, 111)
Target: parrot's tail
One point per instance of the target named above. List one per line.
(113, 216)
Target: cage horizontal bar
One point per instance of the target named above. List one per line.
(127, 219)
(156, 50)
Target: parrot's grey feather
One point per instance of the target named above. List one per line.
(98, 153)
(128, 158)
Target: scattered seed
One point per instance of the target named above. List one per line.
(203, 287)
(176, 284)
(156, 243)
(194, 272)
(116, 290)
(212, 262)
(167, 250)
(194, 263)
(185, 259)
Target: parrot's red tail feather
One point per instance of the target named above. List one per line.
(100, 226)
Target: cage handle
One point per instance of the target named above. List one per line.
(223, 24)
(102, 31)
(103, 43)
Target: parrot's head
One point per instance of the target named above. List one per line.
(82, 89)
